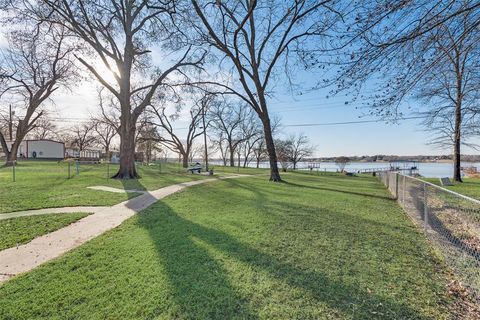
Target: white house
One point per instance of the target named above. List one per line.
(40, 149)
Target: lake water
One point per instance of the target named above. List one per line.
(426, 169)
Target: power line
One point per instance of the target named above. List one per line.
(319, 104)
(346, 123)
(314, 108)
(73, 120)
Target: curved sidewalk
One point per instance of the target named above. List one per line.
(14, 261)
(90, 209)
(27, 213)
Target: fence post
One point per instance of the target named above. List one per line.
(403, 191)
(425, 207)
(396, 185)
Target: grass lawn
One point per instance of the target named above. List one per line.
(315, 247)
(221, 170)
(45, 184)
(469, 187)
(22, 230)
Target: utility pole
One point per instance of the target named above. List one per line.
(10, 124)
(204, 102)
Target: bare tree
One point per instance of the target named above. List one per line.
(221, 145)
(253, 133)
(44, 129)
(8, 123)
(228, 120)
(147, 142)
(258, 37)
(105, 132)
(284, 149)
(441, 125)
(109, 110)
(453, 86)
(83, 136)
(300, 149)
(259, 149)
(342, 162)
(259, 152)
(170, 138)
(197, 152)
(432, 60)
(122, 35)
(400, 23)
(293, 150)
(37, 66)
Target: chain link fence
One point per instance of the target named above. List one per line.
(450, 221)
(70, 169)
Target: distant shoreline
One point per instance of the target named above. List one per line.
(387, 159)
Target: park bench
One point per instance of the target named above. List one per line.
(195, 168)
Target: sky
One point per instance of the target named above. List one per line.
(404, 138)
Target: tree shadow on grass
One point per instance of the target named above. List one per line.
(283, 209)
(262, 199)
(338, 190)
(200, 284)
(150, 176)
(202, 287)
(133, 184)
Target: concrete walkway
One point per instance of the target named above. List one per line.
(27, 213)
(115, 190)
(14, 261)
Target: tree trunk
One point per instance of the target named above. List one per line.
(148, 151)
(272, 155)
(232, 157)
(185, 160)
(258, 162)
(12, 154)
(127, 168)
(247, 157)
(20, 134)
(127, 130)
(457, 174)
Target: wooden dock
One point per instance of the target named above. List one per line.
(410, 171)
